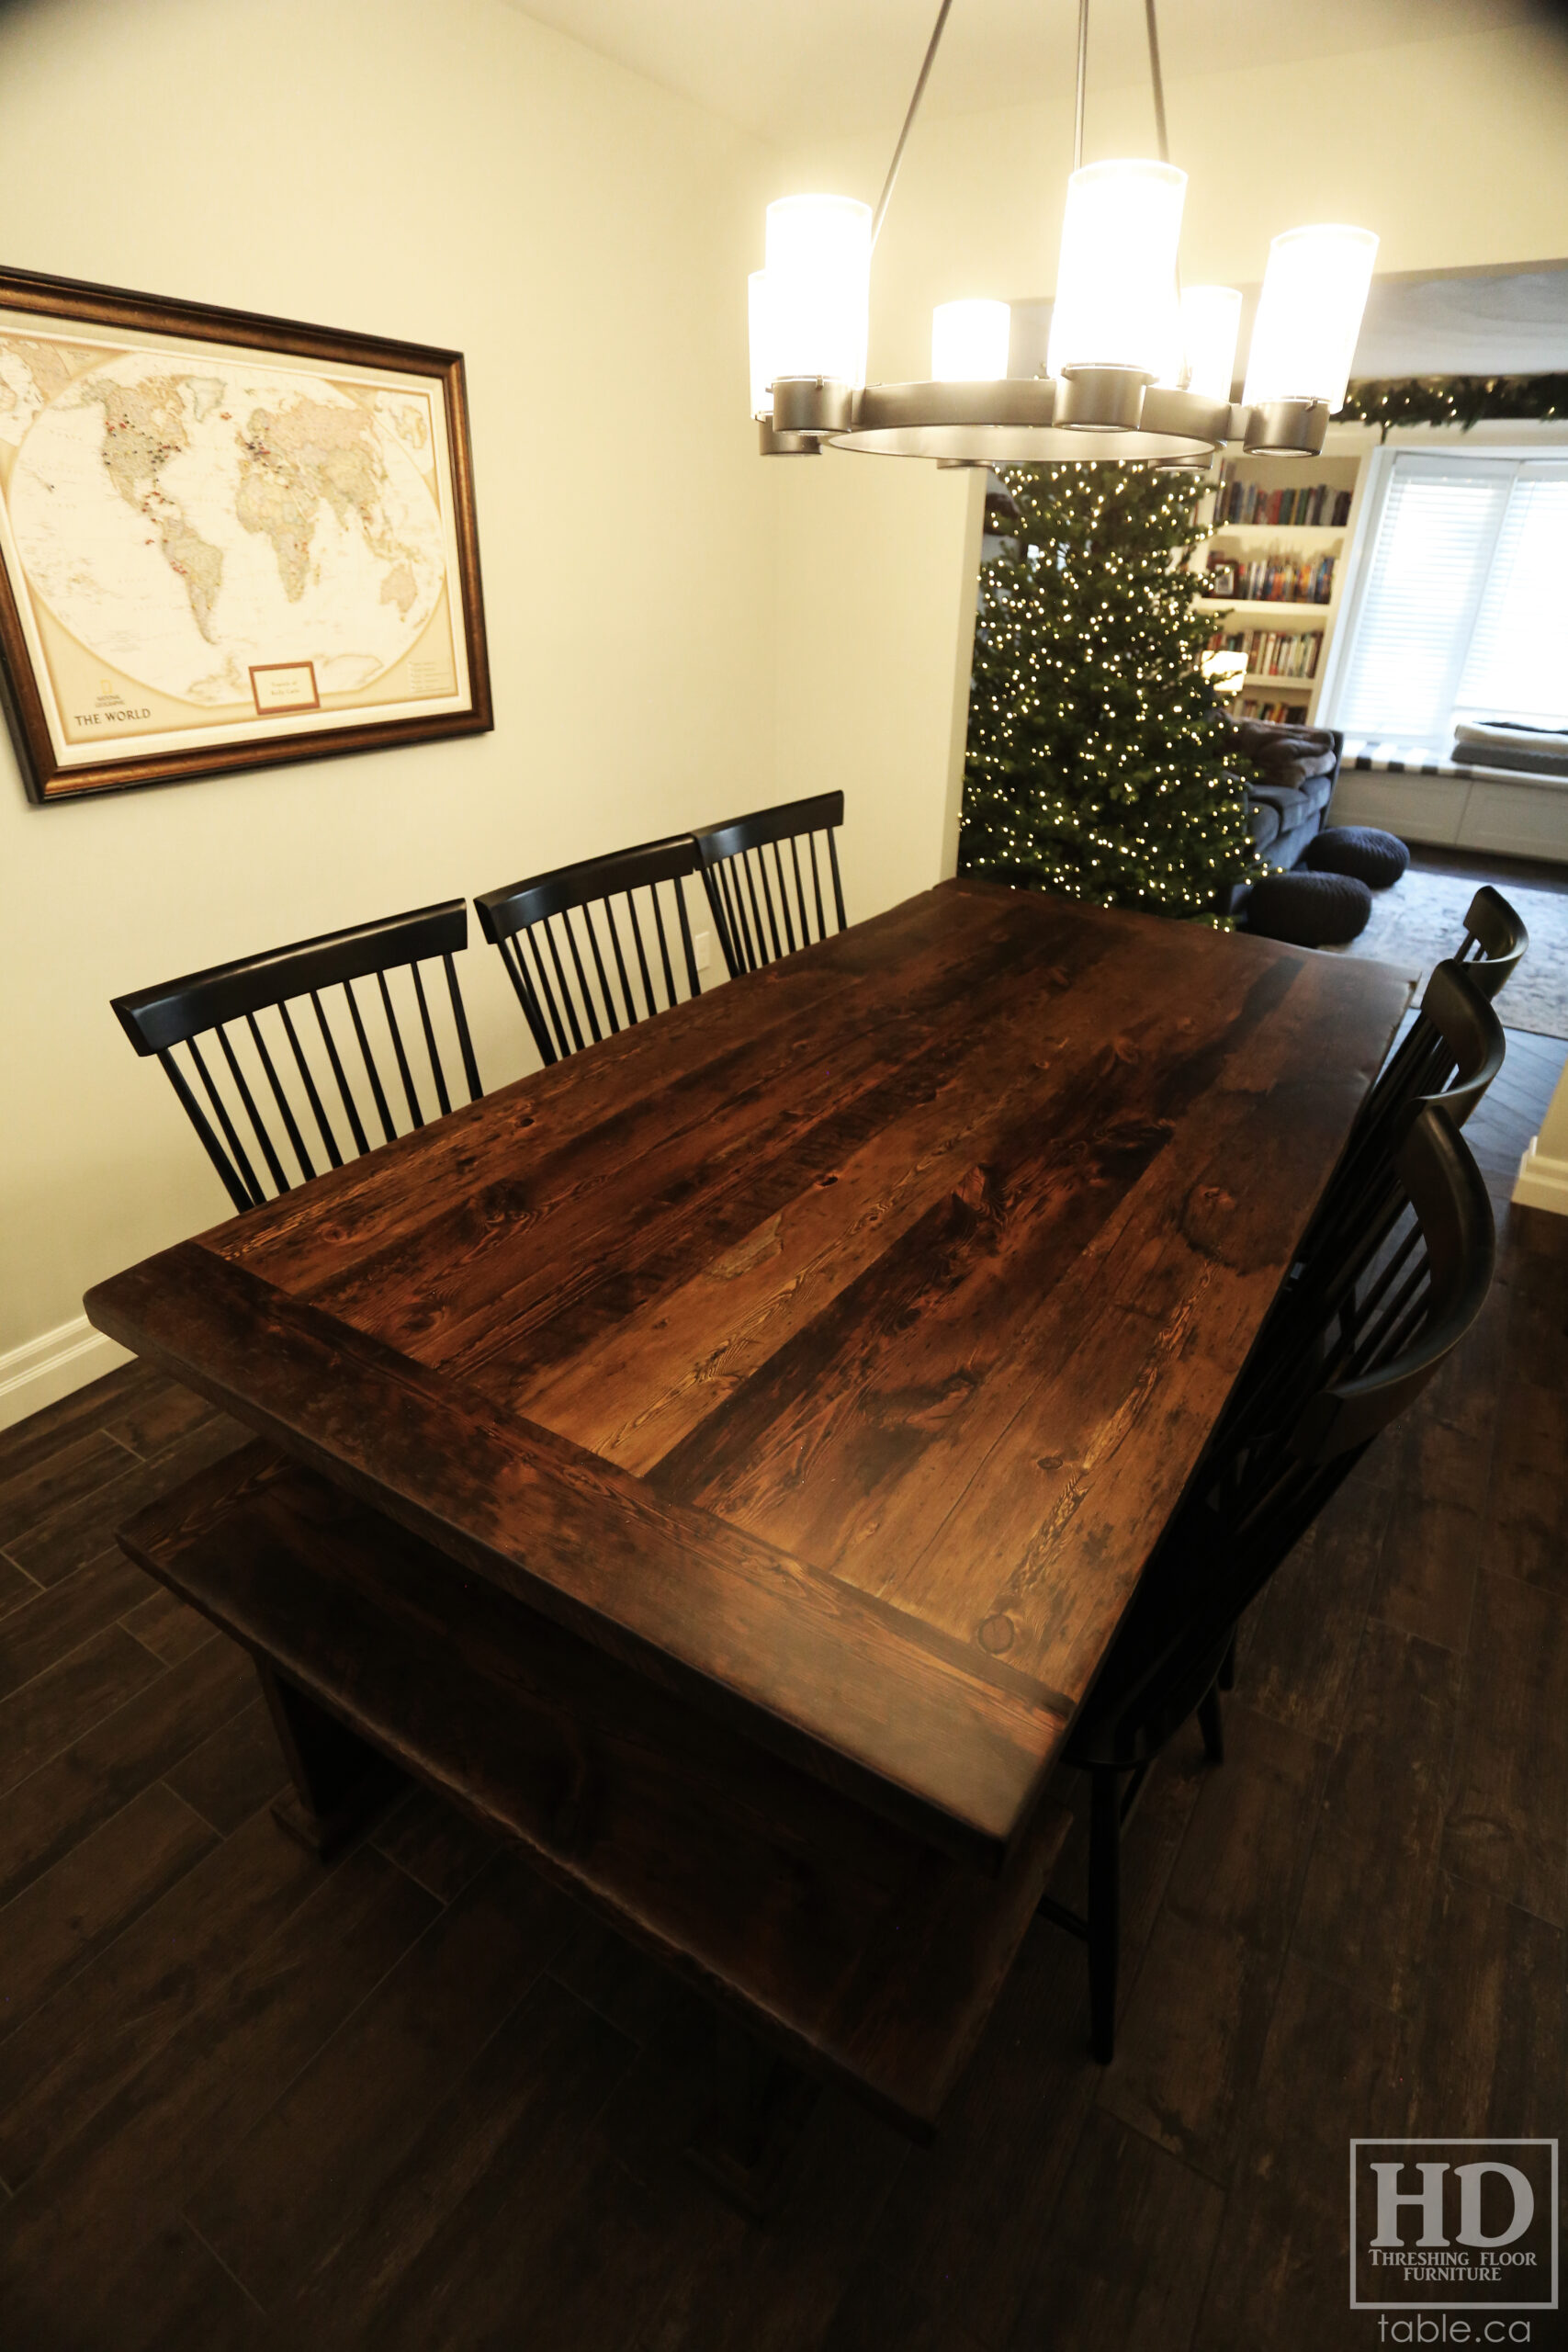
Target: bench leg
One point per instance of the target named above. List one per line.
(339, 1783)
(745, 2140)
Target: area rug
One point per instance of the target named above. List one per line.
(1421, 919)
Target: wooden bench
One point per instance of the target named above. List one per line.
(851, 1950)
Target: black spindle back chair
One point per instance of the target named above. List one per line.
(586, 953)
(1495, 942)
(324, 1081)
(766, 904)
(1461, 1049)
(1281, 1449)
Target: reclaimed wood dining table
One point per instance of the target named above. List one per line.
(827, 1356)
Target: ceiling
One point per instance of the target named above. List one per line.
(1467, 323)
(1464, 322)
(817, 68)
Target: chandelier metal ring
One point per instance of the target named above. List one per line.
(1138, 371)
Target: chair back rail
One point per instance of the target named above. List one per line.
(292, 1071)
(1495, 942)
(1285, 1446)
(764, 878)
(1459, 1052)
(587, 946)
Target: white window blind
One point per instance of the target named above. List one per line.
(1437, 534)
(1517, 665)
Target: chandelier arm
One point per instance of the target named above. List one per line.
(1082, 80)
(1157, 79)
(932, 47)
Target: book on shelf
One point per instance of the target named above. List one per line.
(1282, 714)
(1271, 579)
(1273, 653)
(1311, 505)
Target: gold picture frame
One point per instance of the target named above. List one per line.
(226, 541)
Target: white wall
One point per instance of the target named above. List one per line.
(449, 174)
(877, 566)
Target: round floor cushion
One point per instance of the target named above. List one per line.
(1309, 910)
(1374, 857)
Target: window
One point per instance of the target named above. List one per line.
(1463, 610)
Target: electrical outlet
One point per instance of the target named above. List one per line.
(702, 944)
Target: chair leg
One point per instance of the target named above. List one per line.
(1226, 1677)
(1210, 1722)
(1104, 1909)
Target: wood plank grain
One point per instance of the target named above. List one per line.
(73, 2054)
(1278, 2274)
(490, 1279)
(1191, 2041)
(497, 2157)
(1507, 1817)
(1032, 1370)
(440, 1846)
(292, 2189)
(61, 1803)
(1528, 1514)
(1139, 2292)
(1300, 1639)
(607, 1093)
(62, 1616)
(55, 1926)
(871, 1956)
(1383, 1821)
(1443, 1454)
(234, 1773)
(171, 1632)
(804, 1664)
(895, 1530)
(54, 1548)
(65, 1701)
(1488, 2052)
(664, 1367)
(88, 2209)
(60, 1478)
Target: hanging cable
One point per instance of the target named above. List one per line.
(1083, 77)
(1157, 79)
(909, 120)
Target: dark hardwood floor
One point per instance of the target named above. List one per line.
(416, 2099)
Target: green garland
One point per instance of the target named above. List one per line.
(1454, 399)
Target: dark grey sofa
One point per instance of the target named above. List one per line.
(1290, 773)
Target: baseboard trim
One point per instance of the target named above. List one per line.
(1541, 1183)
(42, 1370)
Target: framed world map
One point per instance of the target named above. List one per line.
(226, 541)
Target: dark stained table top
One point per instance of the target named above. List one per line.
(833, 1348)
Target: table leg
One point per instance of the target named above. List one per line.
(339, 1782)
(749, 2134)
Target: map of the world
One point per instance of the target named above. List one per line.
(185, 522)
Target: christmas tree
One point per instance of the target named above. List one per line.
(1096, 762)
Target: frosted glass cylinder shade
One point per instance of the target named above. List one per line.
(760, 320)
(1309, 314)
(1211, 321)
(1116, 304)
(819, 272)
(969, 342)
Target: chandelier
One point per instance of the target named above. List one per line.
(1136, 370)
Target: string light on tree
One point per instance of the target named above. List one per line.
(1096, 762)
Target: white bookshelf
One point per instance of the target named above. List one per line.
(1293, 542)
